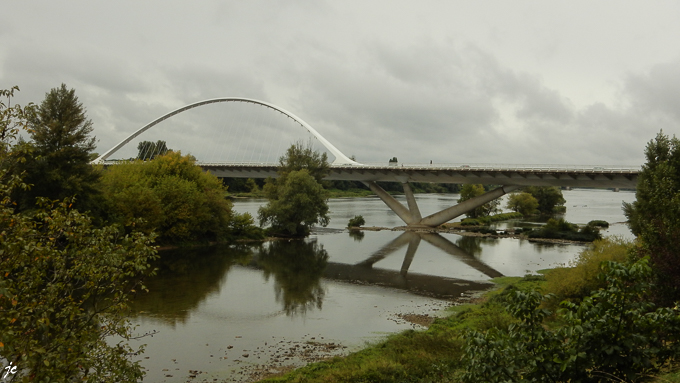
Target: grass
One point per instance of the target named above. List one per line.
(432, 355)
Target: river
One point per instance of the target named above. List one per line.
(226, 312)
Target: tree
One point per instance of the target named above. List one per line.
(469, 191)
(148, 150)
(655, 215)
(548, 197)
(173, 196)
(60, 166)
(523, 203)
(299, 157)
(13, 118)
(64, 285)
(297, 199)
(300, 203)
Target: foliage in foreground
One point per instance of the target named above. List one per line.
(64, 288)
(580, 278)
(655, 215)
(616, 333)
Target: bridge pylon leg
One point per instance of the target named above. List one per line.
(411, 215)
(446, 215)
(392, 203)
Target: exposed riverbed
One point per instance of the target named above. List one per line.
(229, 312)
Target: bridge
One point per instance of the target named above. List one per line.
(507, 177)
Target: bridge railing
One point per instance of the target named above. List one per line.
(459, 166)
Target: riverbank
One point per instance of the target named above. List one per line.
(430, 352)
(468, 232)
(433, 355)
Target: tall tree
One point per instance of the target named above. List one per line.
(148, 150)
(297, 199)
(548, 197)
(654, 217)
(60, 133)
(469, 191)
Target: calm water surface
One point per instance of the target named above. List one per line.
(225, 310)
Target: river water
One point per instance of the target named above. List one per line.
(224, 312)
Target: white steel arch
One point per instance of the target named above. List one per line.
(340, 158)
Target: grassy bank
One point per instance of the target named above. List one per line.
(436, 354)
(432, 355)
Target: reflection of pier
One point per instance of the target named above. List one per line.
(364, 272)
(429, 285)
(413, 240)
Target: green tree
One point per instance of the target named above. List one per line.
(13, 119)
(300, 203)
(148, 150)
(175, 198)
(469, 191)
(523, 203)
(654, 217)
(299, 157)
(297, 199)
(60, 167)
(549, 198)
(64, 286)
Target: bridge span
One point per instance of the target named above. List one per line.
(509, 179)
(520, 175)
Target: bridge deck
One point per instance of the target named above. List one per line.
(573, 176)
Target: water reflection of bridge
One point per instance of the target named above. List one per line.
(431, 285)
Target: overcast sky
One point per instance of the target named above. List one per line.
(549, 82)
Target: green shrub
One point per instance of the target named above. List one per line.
(561, 229)
(579, 279)
(470, 222)
(615, 334)
(357, 221)
(599, 223)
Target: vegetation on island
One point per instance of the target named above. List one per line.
(469, 191)
(357, 221)
(297, 199)
(173, 198)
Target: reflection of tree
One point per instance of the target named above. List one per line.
(471, 245)
(184, 279)
(297, 267)
(357, 235)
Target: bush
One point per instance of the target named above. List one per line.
(357, 221)
(614, 334)
(561, 229)
(599, 223)
(175, 198)
(580, 279)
